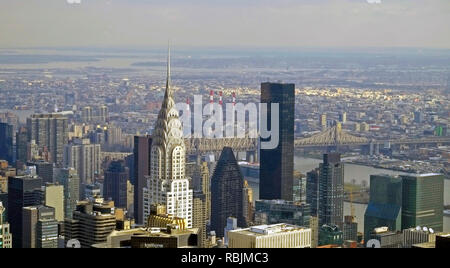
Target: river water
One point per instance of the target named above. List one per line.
(358, 173)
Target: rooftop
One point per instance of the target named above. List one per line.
(262, 230)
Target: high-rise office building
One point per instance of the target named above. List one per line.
(115, 183)
(49, 131)
(68, 178)
(281, 211)
(40, 228)
(199, 217)
(85, 158)
(43, 170)
(423, 201)
(22, 145)
(91, 223)
(312, 190)
(167, 183)
(405, 202)
(248, 207)
(277, 165)
(22, 192)
(5, 233)
(54, 197)
(226, 192)
(331, 191)
(299, 188)
(385, 205)
(142, 149)
(6, 142)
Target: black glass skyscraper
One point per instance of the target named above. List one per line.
(6, 142)
(277, 165)
(115, 184)
(227, 185)
(21, 193)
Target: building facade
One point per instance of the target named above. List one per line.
(116, 183)
(270, 236)
(6, 142)
(49, 131)
(23, 191)
(331, 191)
(85, 158)
(167, 183)
(277, 165)
(227, 199)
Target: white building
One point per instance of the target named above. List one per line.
(85, 158)
(270, 236)
(167, 183)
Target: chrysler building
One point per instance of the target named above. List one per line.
(167, 184)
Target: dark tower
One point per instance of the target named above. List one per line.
(21, 193)
(277, 165)
(331, 190)
(115, 184)
(142, 151)
(227, 185)
(6, 142)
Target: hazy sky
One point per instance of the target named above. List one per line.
(291, 23)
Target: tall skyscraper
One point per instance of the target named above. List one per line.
(167, 183)
(405, 202)
(5, 233)
(115, 183)
(331, 191)
(40, 228)
(22, 145)
(423, 201)
(142, 149)
(312, 190)
(6, 142)
(299, 188)
(85, 158)
(385, 205)
(226, 192)
(68, 178)
(50, 131)
(277, 165)
(199, 217)
(22, 192)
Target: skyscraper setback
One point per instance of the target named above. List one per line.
(167, 183)
(277, 165)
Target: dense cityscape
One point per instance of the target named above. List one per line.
(95, 151)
